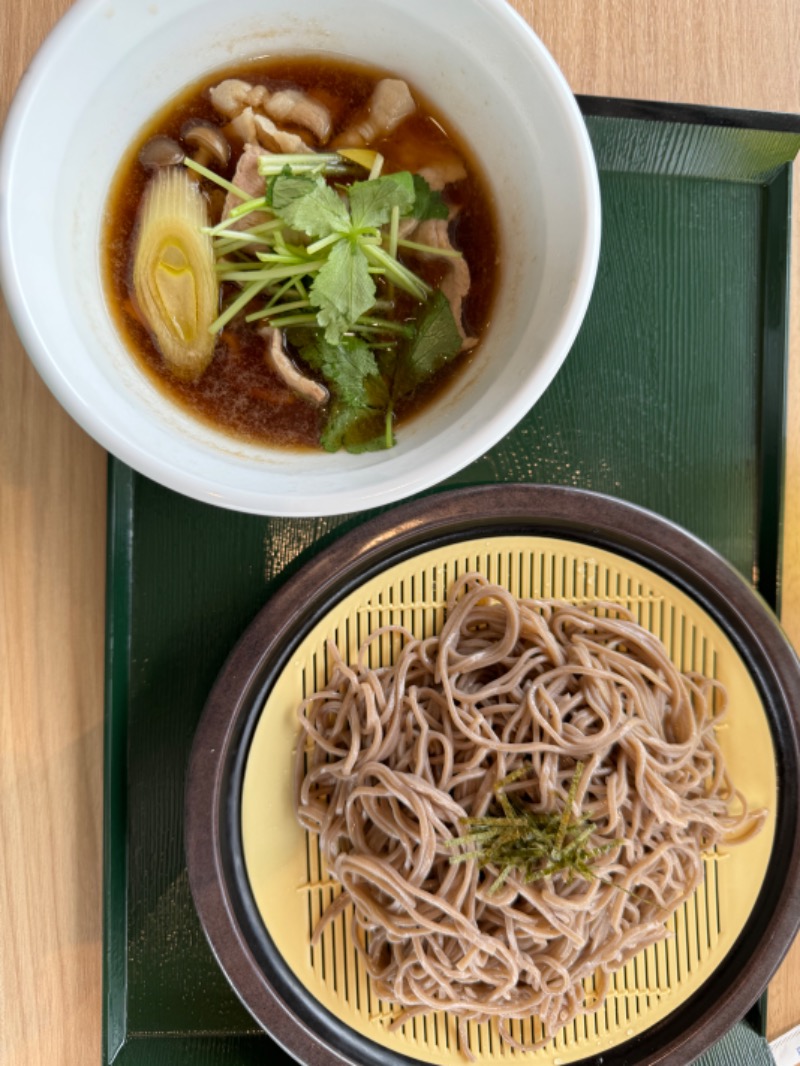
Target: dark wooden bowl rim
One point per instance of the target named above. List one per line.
(217, 876)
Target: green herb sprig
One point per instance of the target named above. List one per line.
(537, 844)
(313, 263)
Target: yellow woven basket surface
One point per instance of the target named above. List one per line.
(288, 878)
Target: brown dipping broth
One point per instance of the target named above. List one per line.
(238, 392)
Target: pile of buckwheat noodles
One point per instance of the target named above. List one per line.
(396, 757)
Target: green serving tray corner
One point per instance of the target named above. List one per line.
(673, 398)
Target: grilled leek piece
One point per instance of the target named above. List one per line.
(174, 280)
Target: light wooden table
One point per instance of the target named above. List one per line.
(736, 53)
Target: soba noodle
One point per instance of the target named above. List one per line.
(543, 700)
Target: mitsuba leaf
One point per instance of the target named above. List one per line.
(308, 204)
(360, 394)
(341, 420)
(348, 367)
(428, 202)
(368, 434)
(371, 202)
(343, 289)
(284, 188)
(357, 429)
(436, 343)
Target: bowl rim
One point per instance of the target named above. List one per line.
(217, 875)
(387, 482)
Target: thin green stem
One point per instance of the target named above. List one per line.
(323, 242)
(429, 249)
(222, 182)
(377, 167)
(400, 275)
(295, 320)
(292, 283)
(272, 273)
(382, 325)
(304, 163)
(256, 203)
(394, 226)
(233, 309)
(280, 309)
(233, 241)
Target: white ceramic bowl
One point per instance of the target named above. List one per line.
(110, 64)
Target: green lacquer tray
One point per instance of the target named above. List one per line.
(672, 398)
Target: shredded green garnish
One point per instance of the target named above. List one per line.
(535, 844)
(321, 261)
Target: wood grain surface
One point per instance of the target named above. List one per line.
(732, 53)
